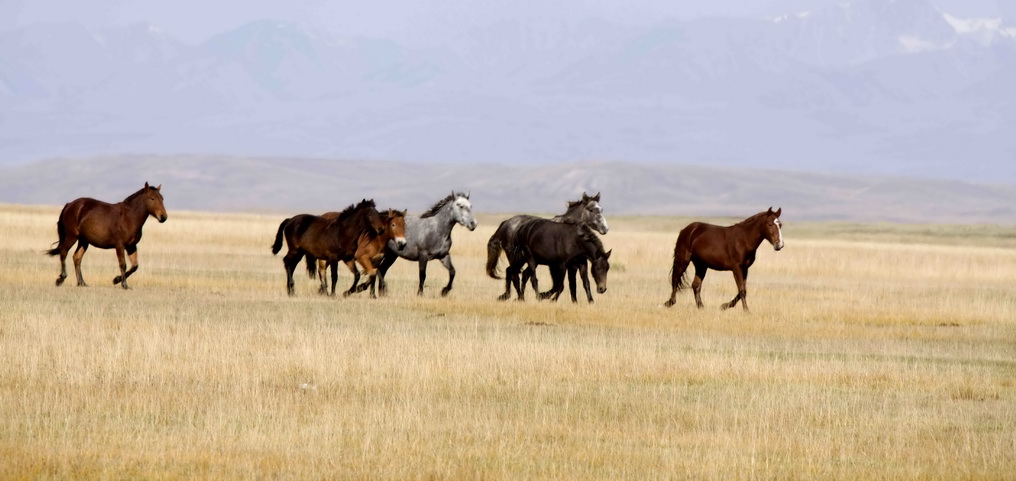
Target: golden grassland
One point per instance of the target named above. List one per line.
(870, 352)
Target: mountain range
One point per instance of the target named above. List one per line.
(866, 87)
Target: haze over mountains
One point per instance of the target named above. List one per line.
(862, 87)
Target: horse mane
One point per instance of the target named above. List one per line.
(137, 194)
(391, 214)
(752, 219)
(572, 206)
(353, 209)
(440, 204)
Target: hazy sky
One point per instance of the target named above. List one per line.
(196, 20)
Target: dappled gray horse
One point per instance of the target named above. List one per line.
(585, 211)
(430, 237)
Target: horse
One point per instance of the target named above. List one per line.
(719, 248)
(585, 211)
(429, 237)
(370, 249)
(561, 246)
(107, 226)
(331, 240)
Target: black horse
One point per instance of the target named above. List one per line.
(561, 247)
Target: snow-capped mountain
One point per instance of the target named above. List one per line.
(868, 86)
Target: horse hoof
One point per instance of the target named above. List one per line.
(117, 280)
(445, 291)
(724, 307)
(669, 303)
(60, 281)
(503, 297)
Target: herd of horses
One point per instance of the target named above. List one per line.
(360, 234)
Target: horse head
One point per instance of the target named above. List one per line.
(601, 265)
(594, 214)
(462, 210)
(396, 224)
(773, 228)
(153, 202)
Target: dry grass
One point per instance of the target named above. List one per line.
(870, 353)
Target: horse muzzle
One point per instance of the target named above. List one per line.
(400, 242)
(162, 218)
(471, 226)
(601, 290)
(778, 246)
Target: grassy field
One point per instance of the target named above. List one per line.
(871, 352)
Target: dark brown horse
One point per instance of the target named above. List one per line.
(370, 249)
(561, 246)
(331, 240)
(719, 248)
(91, 222)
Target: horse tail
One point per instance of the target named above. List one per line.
(682, 257)
(277, 246)
(493, 255)
(311, 266)
(494, 247)
(61, 231)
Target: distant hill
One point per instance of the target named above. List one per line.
(288, 186)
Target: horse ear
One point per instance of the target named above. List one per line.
(779, 211)
(770, 211)
(597, 197)
(607, 255)
(404, 212)
(468, 192)
(159, 188)
(146, 185)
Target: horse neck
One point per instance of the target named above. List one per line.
(573, 215)
(591, 244)
(136, 212)
(753, 232)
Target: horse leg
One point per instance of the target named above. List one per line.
(739, 278)
(423, 273)
(507, 285)
(132, 255)
(78, 254)
(123, 265)
(572, 285)
(584, 274)
(290, 261)
(334, 267)
(323, 276)
(740, 274)
(557, 279)
(63, 248)
(447, 262)
(356, 278)
(386, 262)
(696, 285)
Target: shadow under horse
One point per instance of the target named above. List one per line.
(561, 247)
(732, 248)
(331, 240)
(91, 222)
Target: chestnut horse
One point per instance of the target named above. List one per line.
(369, 250)
(107, 226)
(719, 248)
(331, 240)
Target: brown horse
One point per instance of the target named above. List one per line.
(107, 226)
(719, 248)
(331, 240)
(370, 249)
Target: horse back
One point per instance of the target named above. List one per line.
(548, 241)
(98, 223)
